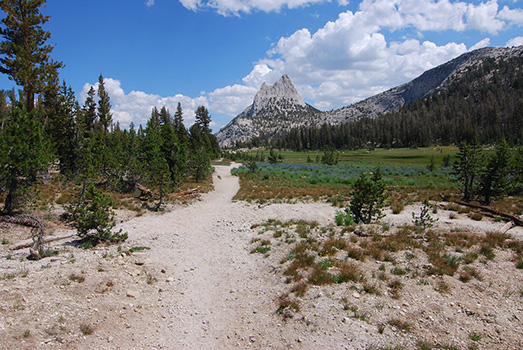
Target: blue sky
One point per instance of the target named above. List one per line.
(218, 53)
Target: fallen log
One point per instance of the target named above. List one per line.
(147, 193)
(506, 227)
(28, 243)
(184, 193)
(514, 218)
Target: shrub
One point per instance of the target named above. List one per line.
(424, 220)
(344, 218)
(476, 217)
(94, 217)
(397, 207)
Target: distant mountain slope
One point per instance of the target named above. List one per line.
(483, 101)
(437, 78)
(278, 108)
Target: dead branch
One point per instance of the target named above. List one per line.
(515, 219)
(506, 227)
(184, 193)
(37, 231)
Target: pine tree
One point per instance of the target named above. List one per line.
(467, 168)
(23, 153)
(495, 177)
(157, 168)
(63, 130)
(88, 114)
(203, 119)
(25, 57)
(104, 107)
(368, 197)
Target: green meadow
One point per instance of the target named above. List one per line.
(404, 156)
(406, 172)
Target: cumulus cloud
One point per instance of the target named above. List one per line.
(518, 41)
(483, 43)
(350, 58)
(420, 14)
(149, 3)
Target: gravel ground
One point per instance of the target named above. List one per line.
(198, 287)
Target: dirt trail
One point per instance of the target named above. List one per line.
(221, 296)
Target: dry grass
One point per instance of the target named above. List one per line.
(321, 256)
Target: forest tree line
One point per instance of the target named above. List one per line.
(44, 128)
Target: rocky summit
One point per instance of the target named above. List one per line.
(278, 108)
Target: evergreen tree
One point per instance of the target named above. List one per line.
(88, 114)
(203, 119)
(104, 107)
(63, 130)
(178, 117)
(495, 177)
(23, 153)
(25, 56)
(467, 168)
(198, 163)
(157, 168)
(368, 197)
(94, 217)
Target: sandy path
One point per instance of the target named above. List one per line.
(220, 296)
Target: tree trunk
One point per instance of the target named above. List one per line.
(29, 101)
(8, 204)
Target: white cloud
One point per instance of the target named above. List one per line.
(236, 7)
(350, 58)
(483, 43)
(136, 106)
(518, 41)
(343, 62)
(149, 3)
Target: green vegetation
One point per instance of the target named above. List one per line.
(368, 197)
(424, 220)
(485, 177)
(49, 143)
(94, 219)
(385, 156)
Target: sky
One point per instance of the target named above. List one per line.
(217, 53)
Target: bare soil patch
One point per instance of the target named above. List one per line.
(191, 282)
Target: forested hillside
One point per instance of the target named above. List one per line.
(485, 102)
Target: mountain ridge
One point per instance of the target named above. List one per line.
(278, 108)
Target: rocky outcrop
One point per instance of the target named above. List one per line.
(276, 108)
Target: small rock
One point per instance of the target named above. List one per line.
(132, 293)
(356, 295)
(139, 262)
